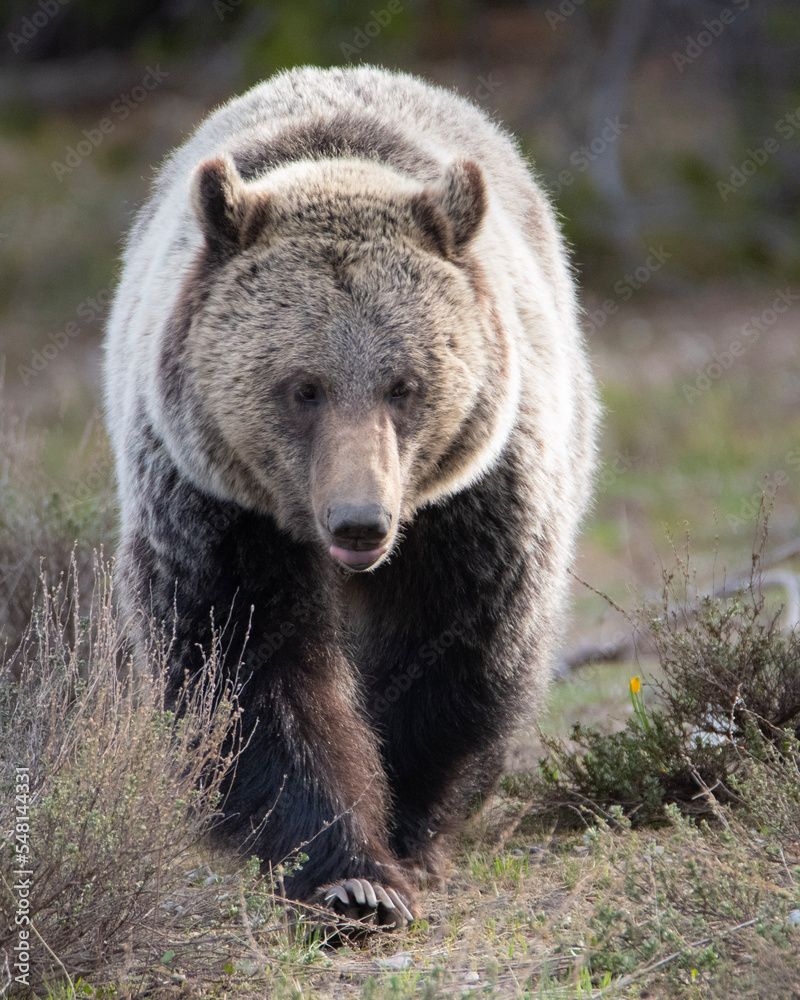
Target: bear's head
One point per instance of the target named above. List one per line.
(343, 358)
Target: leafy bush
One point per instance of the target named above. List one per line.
(725, 729)
(731, 669)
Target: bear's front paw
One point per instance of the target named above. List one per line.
(368, 902)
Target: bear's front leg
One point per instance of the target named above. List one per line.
(309, 779)
(453, 640)
(311, 782)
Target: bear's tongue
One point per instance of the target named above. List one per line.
(357, 560)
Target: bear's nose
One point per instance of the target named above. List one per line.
(359, 526)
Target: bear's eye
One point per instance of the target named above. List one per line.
(309, 393)
(400, 391)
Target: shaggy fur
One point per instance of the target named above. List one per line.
(347, 293)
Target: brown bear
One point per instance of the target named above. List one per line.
(352, 414)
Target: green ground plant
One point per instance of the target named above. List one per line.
(723, 726)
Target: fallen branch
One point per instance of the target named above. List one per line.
(626, 644)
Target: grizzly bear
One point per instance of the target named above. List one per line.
(353, 417)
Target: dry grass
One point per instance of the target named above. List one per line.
(121, 789)
(42, 517)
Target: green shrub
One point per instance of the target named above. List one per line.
(724, 728)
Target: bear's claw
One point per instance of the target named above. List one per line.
(358, 899)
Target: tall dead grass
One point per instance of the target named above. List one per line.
(122, 787)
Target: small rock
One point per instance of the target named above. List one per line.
(517, 854)
(198, 874)
(658, 849)
(471, 977)
(794, 918)
(402, 960)
(580, 849)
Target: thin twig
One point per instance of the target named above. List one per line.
(248, 931)
(63, 967)
(707, 793)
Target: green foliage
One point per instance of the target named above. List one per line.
(731, 669)
(725, 728)
(639, 769)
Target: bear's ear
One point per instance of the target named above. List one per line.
(231, 217)
(451, 213)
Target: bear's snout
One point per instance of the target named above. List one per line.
(359, 533)
(365, 525)
(356, 485)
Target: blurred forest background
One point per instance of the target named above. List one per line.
(668, 134)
